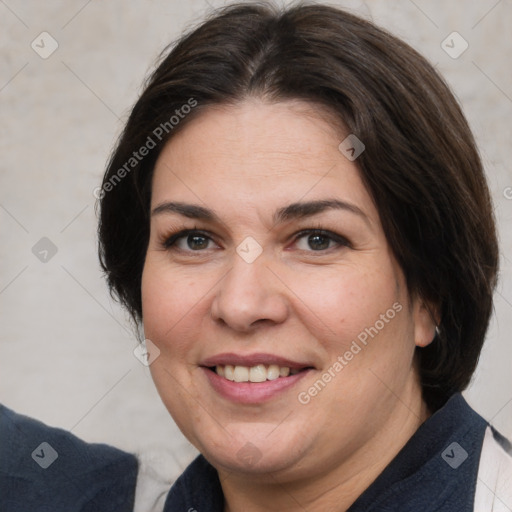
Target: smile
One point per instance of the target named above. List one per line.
(252, 379)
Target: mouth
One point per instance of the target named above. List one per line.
(252, 379)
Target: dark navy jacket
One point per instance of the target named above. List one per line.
(47, 469)
(436, 471)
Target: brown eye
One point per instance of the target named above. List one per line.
(197, 242)
(189, 240)
(319, 240)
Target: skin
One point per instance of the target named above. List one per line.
(295, 300)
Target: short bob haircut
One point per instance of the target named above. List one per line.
(420, 164)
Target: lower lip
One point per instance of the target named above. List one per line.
(252, 392)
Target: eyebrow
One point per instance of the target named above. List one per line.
(292, 211)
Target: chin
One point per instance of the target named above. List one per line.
(250, 460)
(256, 455)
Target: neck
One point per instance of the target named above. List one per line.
(329, 488)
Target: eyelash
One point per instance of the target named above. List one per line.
(169, 241)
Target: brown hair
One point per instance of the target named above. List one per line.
(420, 162)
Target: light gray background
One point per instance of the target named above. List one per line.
(66, 348)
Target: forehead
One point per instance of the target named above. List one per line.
(258, 152)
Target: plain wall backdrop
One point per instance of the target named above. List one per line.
(66, 350)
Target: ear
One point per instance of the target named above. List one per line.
(426, 319)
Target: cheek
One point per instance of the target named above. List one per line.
(362, 323)
(346, 301)
(166, 304)
(364, 326)
(171, 308)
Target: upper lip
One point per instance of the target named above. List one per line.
(252, 360)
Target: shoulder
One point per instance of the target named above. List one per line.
(494, 481)
(45, 468)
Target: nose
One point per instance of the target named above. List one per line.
(250, 295)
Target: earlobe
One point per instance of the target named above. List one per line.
(426, 323)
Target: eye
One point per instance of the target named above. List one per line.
(189, 240)
(319, 240)
(310, 240)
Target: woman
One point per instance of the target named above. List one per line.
(310, 248)
(297, 217)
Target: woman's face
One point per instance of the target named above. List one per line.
(284, 277)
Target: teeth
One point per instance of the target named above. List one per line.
(258, 373)
(273, 372)
(284, 372)
(241, 374)
(229, 372)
